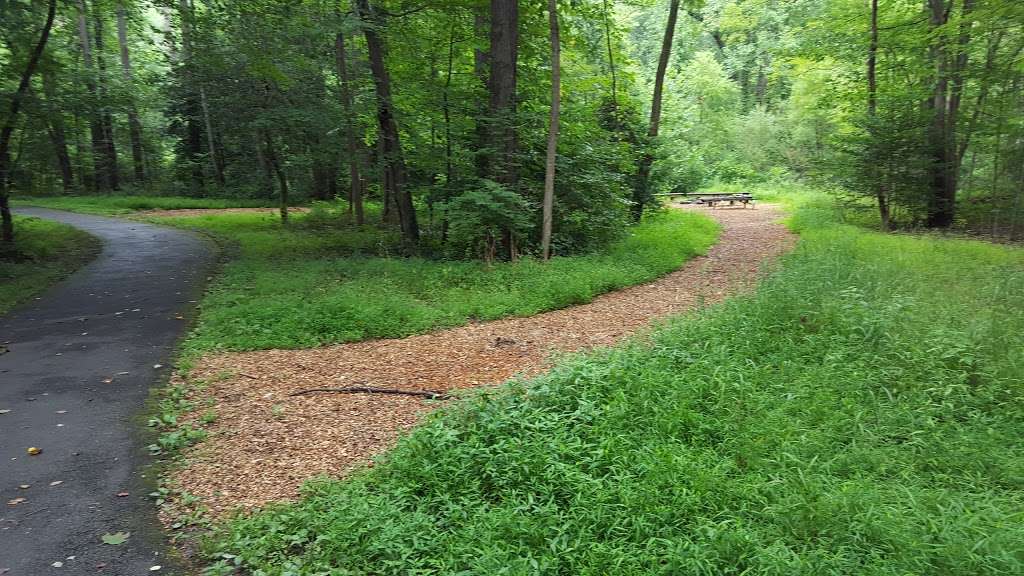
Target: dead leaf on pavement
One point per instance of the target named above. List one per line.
(115, 539)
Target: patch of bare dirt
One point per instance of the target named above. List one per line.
(265, 443)
(192, 212)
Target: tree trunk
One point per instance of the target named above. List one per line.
(642, 193)
(191, 107)
(394, 165)
(480, 62)
(6, 220)
(355, 192)
(107, 120)
(945, 105)
(549, 167)
(58, 136)
(134, 126)
(282, 179)
(266, 172)
(611, 55)
(211, 139)
(504, 56)
(880, 193)
(100, 180)
(449, 168)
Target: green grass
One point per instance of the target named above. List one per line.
(43, 253)
(113, 205)
(310, 284)
(859, 414)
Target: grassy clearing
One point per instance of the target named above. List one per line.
(309, 284)
(44, 252)
(859, 414)
(112, 205)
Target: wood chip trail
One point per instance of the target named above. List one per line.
(265, 443)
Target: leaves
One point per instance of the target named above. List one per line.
(115, 539)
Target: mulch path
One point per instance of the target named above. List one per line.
(265, 443)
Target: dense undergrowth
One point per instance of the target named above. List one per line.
(113, 204)
(44, 252)
(310, 284)
(859, 414)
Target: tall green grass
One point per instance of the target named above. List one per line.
(43, 253)
(116, 204)
(859, 414)
(307, 285)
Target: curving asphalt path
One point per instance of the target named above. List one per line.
(80, 363)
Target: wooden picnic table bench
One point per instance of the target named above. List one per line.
(713, 198)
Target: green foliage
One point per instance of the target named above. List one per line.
(859, 414)
(479, 217)
(45, 252)
(299, 286)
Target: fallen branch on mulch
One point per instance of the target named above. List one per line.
(365, 390)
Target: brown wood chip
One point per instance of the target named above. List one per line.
(265, 443)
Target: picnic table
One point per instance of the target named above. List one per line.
(714, 198)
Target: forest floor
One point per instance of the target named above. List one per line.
(265, 442)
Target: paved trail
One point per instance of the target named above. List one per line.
(82, 358)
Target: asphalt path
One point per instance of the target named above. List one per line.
(80, 361)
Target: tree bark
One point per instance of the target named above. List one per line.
(58, 135)
(880, 194)
(282, 179)
(449, 168)
(6, 220)
(611, 54)
(642, 193)
(355, 192)
(394, 164)
(211, 139)
(945, 105)
(191, 107)
(504, 56)
(107, 120)
(134, 126)
(549, 167)
(480, 65)
(100, 179)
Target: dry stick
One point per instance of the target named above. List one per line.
(366, 390)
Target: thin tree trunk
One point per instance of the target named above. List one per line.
(6, 220)
(449, 169)
(282, 179)
(611, 55)
(985, 86)
(880, 193)
(211, 139)
(134, 126)
(355, 192)
(642, 192)
(107, 120)
(192, 107)
(394, 164)
(266, 172)
(480, 64)
(549, 168)
(99, 179)
(58, 135)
